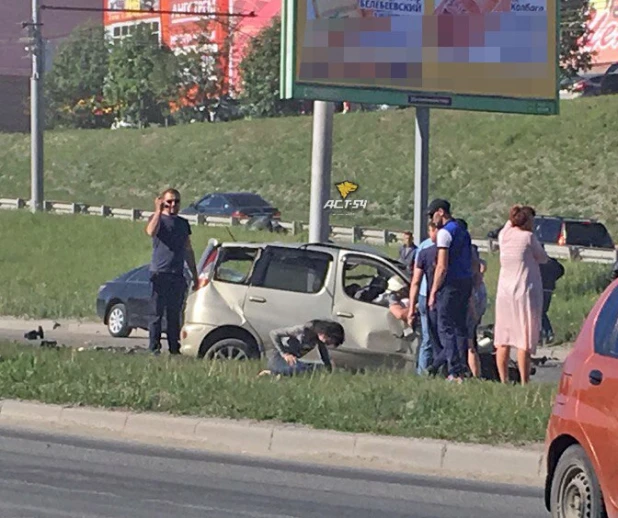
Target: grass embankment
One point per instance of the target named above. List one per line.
(482, 162)
(54, 264)
(381, 402)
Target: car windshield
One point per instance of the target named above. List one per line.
(547, 230)
(242, 199)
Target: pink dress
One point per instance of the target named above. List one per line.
(519, 299)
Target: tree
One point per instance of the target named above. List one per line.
(74, 85)
(142, 78)
(260, 74)
(202, 72)
(574, 36)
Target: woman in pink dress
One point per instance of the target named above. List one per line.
(519, 299)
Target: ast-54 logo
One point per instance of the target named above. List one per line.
(345, 189)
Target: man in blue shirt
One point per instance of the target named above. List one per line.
(423, 274)
(451, 289)
(171, 248)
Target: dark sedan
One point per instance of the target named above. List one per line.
(557, 230)
(240, 205)
(124, 303)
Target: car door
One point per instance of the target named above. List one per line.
(597, 411)
(289, 286)
(368, 327)
(138, 292)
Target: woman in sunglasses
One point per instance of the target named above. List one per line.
(171, 247)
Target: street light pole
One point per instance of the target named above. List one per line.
(36, 111)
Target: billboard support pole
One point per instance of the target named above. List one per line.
(321, 161)
(421, 173)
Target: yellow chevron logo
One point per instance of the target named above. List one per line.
(345, 188)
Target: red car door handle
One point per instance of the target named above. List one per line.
(595, 377)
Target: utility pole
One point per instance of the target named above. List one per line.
(321, 162)
(421, 173)
(37, 51)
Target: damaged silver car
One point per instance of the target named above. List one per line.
(245, 290)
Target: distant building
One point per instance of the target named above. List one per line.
(15, 64)
(177, 30)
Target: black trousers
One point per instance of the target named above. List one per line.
(168, 292)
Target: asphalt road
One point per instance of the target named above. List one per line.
(51, 475)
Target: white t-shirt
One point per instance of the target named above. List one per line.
(444, 238)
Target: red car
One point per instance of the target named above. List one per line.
(582, 435)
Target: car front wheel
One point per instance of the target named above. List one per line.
(118, 322)
(575, 491)
(229, 349)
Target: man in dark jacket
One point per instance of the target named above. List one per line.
(407, 251)
(550, 273)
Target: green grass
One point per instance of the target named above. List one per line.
(56, 263)
(482, 162)
(381, 402)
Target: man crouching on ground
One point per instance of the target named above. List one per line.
(292, 343)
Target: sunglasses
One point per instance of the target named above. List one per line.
(169, 203)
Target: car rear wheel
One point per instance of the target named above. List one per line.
(229, 349)
(575, 491)
(118, 322)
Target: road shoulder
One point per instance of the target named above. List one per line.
(508, 464)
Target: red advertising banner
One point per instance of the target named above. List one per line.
(185, 30)
(603, 43)
(247, 28)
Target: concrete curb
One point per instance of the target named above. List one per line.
(280, 441)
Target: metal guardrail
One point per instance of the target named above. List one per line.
(341, 234)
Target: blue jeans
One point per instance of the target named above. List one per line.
(546, 330)
(277, 365)
(425, 353)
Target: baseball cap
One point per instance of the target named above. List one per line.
(396, 284)
(438, 204)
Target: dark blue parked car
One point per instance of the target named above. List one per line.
(124, 303)
(240, 205)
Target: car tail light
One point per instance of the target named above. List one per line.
(562, 239)
(239, 215)
(202, 276)
(579, 86)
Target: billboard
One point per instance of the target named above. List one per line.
(487, 55)
(120, 17)
(603, 41)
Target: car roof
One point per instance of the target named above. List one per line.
(352, 247)
(235, 193)
(567, 218)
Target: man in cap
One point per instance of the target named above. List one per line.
(398, 300)
(451, 289)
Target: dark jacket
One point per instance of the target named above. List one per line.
(551, 271)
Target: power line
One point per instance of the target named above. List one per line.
(144, 11)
